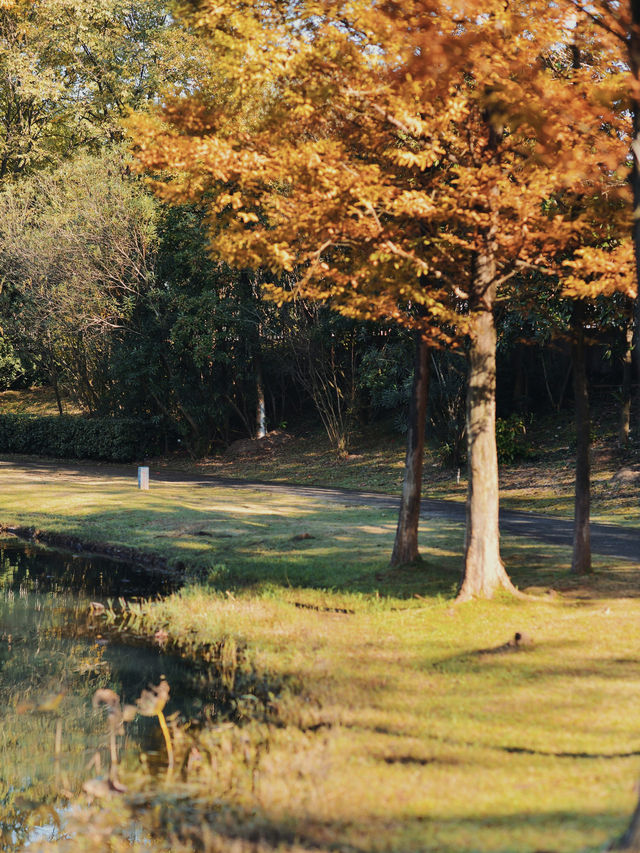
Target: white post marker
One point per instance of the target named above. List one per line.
(143, 478)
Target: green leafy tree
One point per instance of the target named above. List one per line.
(70, 70)
(77, 252)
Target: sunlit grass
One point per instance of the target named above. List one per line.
(34, 401)
(406, 730)
(393, 723)
(258, 538)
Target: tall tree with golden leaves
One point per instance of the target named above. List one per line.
(618, 26)
(399, 158)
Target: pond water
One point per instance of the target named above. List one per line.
(51, 737)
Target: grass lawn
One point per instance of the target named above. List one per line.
(371, 713)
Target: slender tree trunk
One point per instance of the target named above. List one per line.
(53, 374)
(630, 841)
(484, 571)
(261, 415)
(633, 43)
(636, 354)
(581, 563)
(625, 390)
(520, 391)
(405, 549)
(546, 379)
(56, 391)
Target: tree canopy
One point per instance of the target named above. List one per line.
(368, 147)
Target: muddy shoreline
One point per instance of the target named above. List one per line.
(124, 553)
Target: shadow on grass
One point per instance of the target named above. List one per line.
(510, 749)
(544, 832)
(541, 664)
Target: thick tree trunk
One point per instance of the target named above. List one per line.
(634, 64)
(484, 571)
(636, 243)
(625, 390)
(581, 563)
(405, 548)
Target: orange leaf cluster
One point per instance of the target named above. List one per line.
(371, 149)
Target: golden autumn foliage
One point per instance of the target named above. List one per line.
(372, 147)
(596, 271)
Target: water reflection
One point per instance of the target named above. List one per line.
(29, 568)
(51, 739)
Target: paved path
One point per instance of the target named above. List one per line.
(606, 539)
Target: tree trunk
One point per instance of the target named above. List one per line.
(634, 63)
(520, 390)
(261, 416)
(625, 390)
(56, 391)
(405, 549)
(636, 348)
(581, 563)
(630, 841)
(484, 571)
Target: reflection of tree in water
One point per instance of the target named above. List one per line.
(51, 738)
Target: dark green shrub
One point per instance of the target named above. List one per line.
(77, 437)
(511, 438)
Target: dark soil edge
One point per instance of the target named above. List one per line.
(123, 553)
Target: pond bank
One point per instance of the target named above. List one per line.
(133, 556)
(54, 659)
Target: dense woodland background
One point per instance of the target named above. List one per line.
(192, 346)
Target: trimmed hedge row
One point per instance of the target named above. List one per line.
(77, 437)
